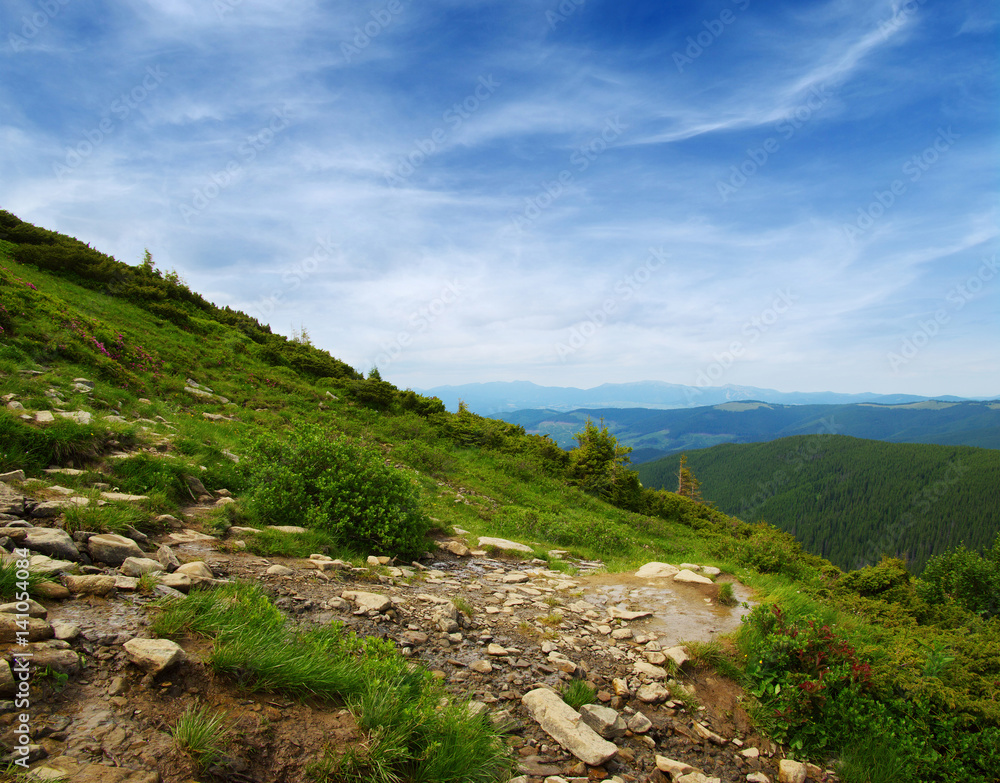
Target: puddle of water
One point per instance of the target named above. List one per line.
(680, 612)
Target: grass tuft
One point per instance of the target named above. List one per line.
(200, 733)
(577, 693)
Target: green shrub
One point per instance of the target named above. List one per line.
(966, 577)
(769, 551)
(327, 482)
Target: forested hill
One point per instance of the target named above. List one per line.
(658, 433)
(852, 500)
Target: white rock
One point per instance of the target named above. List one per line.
(367, 602)
(656, 570)
(288, 528)
(678, 655)
(691, 577)
(90, 584)
(137, 566)
(279, 570)
(113, 549)
(516, 578)
(639, 723)
(503, 543)
(604, 720)
(457, 548)
(653, 693)
(154, 655)
(791, 771)
(750, 753)
(711, 570)
(673, 768)
(196, 569)
(758, 777)
(646, 669)
(566, 726)
(35, 609)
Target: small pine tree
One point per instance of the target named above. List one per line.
(687, 485)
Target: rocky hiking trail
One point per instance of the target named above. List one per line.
(493, 623)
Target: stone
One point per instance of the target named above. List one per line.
(457, 548)
(656, 571)
(706, 733)
(690, 577)
(711, 571)
(137, 566)
(154, 655)
(566, 726)
(758, 777)
(646, 669)
(49, 509)
(621, 633)
(12, 475)
(673, 768)
(604, 720)
(279, 570)
(80, 417)
(113, 549)
(176, 581)
(44, 417)
(43, 564)
(38, 630)
(750, 753)
(35, 609)
(91, 584)
(167, 559)
(516, 578)
(504, 544)
(196, 570)
(63, 631)
(367, 602)
(63, 661)
(791, 771)
(697, 777)
(412, 638)
(678, 655)
(7, 683)
(187, 536)
(482, 666)
(639, 723)
(123, 497)
(52, 590)
(52, 542)
(288, 528)
(496, 650)
(653, 693)
(625, 614)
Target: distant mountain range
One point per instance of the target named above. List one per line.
(490, 399)
(656, 433)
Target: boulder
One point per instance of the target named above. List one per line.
(367, 602)
(35, 609)
(63, 661)
(43, 564)
(678, 655)
(176, 581)
(646, 669)
(279, 570)
(10, 625)
(566, 726)
(12, 475)
(791, 771)
(91, 584)
(653, 693)
(503, 543)
(167, 559)
(196, 570)
(457, 548)
(604, 720)
(154, 655)
(113, 549)
(137, 566)
(690, 577)
(53, 542)
(656, 571)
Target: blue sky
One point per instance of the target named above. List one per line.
(794, 195)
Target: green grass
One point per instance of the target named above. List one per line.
(201, 733)
(415, 733)
(112, 517)
(577, 693)
(9, 581)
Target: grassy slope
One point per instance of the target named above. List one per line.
(853, 500)
(490, 483)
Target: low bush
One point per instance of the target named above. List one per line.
(327, 482)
